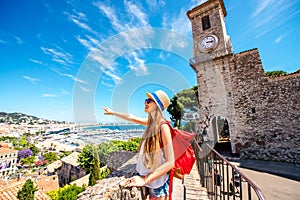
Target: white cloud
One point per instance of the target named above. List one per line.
(155, 5)
(58, 55)
(180, 22)
(113, 76)
(49, 95)
(273, 13)
(84, 89)
(37, 61)
(80, 19)
(278, 39)
(136, 64)
(32, 80)
(65, 92)
(19, 40)
(112, 15)
(140, 16)
(69, 76)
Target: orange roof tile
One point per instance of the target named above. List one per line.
(4, 150)
(11, 191)
(48, 183)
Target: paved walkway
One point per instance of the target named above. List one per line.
(274, 187)
(190, 187)
(286, 177)
(287, 170)
(193, 188)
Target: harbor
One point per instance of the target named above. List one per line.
(67, 139)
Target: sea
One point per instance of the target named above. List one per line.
(105, 133)
(115, 127)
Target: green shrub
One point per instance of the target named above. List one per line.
(275, 73)
(68, 192)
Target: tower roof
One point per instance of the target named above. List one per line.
(205, 4)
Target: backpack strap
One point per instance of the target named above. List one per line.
(171, 184)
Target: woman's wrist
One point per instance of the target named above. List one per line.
(147, 179)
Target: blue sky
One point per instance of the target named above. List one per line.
(65, 60)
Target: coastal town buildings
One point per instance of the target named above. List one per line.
(8, 161)
(9, 189)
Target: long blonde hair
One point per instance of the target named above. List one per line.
(152, 140)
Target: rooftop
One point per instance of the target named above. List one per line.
(10, 192)
(53, 166)
(47, 183)
(5, 150)
(71, 159)
(81, 181)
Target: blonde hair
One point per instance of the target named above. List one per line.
(152, 140)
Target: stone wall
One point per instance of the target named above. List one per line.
(263, 113)
(267, 114)
(118, 158)
(109, 188)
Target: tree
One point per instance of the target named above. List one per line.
(24, 153)
(104, 150)
(183, 104)
(51, 157)
(86, 157)
(275, 73)
(27, 191)
(28, 161)
(175, 109)
(23, 141)
(95, 169)
(130, 145)
(34, 149)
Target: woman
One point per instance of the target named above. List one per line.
(155, 155)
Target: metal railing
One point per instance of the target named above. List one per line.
(222, 179)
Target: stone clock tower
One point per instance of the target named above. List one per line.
(209, 31)
(261, 114)
(212, 59)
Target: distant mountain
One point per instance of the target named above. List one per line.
(21, 118)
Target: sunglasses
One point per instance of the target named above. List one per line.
(149, 100)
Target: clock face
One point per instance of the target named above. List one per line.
(208, 43)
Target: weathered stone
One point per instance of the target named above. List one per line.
(258, 109)
(117, 159)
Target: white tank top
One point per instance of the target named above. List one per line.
(143, 170)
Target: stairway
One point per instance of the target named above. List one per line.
(192, 186)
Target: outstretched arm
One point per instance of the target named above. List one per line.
(126, 116)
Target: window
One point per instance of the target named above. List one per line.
(205, 23)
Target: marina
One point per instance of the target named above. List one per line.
(81, 136)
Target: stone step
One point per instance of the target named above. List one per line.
(193, 188)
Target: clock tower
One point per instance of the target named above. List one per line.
(212, 62)
(240, 108)
(209, 32)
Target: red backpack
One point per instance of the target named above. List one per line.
(183, 153)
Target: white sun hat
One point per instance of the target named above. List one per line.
(161, 99)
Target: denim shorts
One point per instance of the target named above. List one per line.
(161, 191)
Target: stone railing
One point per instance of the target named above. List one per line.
(109, 188)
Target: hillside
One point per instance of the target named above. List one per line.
(21, 118)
